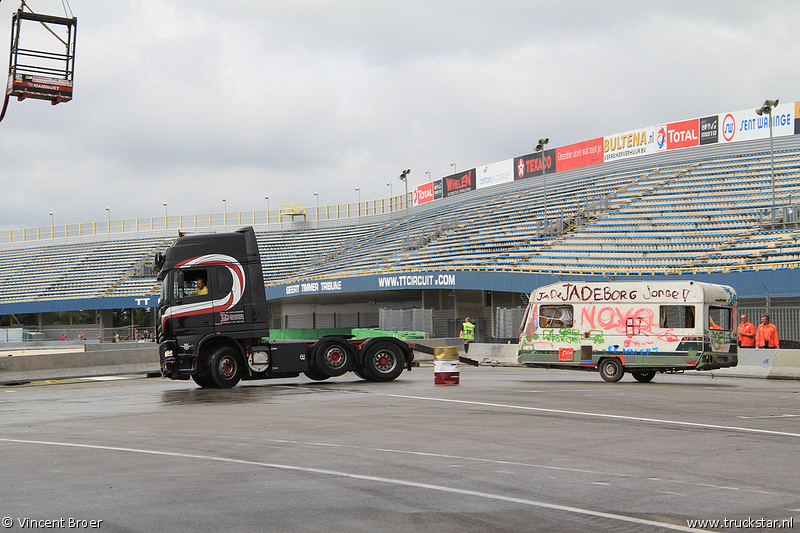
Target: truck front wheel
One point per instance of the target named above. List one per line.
(224, 366)
(384, 362)
(203, 380)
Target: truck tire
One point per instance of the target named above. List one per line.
(203, 380)
(644, 377)
(359, 371)
(333, 357)
(315, 374)
(611, 370)
(224, 366)
(384, 362)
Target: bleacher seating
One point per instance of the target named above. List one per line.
(707, 214)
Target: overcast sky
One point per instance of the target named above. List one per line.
(187, 102)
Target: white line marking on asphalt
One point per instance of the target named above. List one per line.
(768, 416)
(375, 479)
(595, 415)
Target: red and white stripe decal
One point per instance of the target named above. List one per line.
(206, 306)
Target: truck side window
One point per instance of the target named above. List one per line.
(224, 281)
(676, 316)
(191, 284)
(555, 316)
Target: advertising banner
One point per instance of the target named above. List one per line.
(423, 193)
(495, 174)
(797, 118)
(681, 134)
(531, 164)
(629, 144)
(438, 190)
(709, 129)
(747, 125)
(579, 155)
(459, 183)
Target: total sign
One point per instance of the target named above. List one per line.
(678, 135)
(423, 193)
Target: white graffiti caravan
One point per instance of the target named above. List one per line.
(641, 327)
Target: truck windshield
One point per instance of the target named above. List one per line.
(164, 291)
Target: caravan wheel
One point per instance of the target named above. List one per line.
(611, 370)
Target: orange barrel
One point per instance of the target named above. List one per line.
(445, 366)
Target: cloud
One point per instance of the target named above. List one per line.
(187, 102)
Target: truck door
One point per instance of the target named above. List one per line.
(191, 313)
(228, 298)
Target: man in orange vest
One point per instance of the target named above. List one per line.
(746, 333)
(767, 334)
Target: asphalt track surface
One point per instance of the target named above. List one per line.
(509, 449)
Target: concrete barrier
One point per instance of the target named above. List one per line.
(752, 364)
(787, 364)
(131, 359)
(142, 358)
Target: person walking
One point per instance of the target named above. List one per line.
(746, 333)
(467, 333)
(767, 334)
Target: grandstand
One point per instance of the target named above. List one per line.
(702, 213)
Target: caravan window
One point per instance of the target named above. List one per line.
(555, 316)
(676, 316)
(720, 318)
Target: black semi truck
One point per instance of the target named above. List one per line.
(213, 322)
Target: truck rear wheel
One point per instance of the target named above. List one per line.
(611, 370)
(333, 357)
(360, 372)
(225, 367)
(316, 375)
(384, 362)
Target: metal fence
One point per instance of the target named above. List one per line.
(508, 322)
(786, 319)
(406, 320)
(326, 320)
(110, 226)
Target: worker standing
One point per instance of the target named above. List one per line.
(467, 333)
(767, 334)
(746, 333)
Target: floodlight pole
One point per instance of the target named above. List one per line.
(766, 109)
(772, 160)
(404, 179)
(540, 148)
